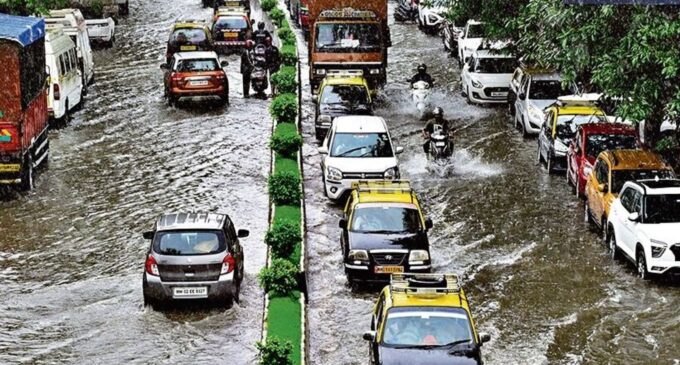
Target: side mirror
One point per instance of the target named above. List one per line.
(428, 223)
(522, 96)
(634, 217)
(315, 101)
(323, 150)
(484, 337)
(343, 223)
(242, 233)
(224, 63)
(369, 336)
(148, 235)
(164, 66)
(399, 150)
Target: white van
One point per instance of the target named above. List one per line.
(66, 85)
(74, 26)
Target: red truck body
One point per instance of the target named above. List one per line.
(23, 99)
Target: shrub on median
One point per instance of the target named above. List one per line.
(275, 352)
(286, 35)
(284, 187)
(283, 238)
(280, 278)
(267, 5)
(277, 16)
(289, 55)
(286, 142)
(284, 108)
(285, 80)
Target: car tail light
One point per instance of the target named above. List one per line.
(151, 266)
(175, 79)
(57, 92)
(220, 77)
(228, 264)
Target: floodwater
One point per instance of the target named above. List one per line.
(537, 279)
(71, 251)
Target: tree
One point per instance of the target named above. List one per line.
(30, 7)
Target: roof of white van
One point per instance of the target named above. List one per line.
(359, 124)
(195, 55)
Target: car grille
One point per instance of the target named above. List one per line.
(388, 258)
(362, 175)
(489, 90)
(676, 251)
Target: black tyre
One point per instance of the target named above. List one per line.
(641, 261)
(549, 164)
(539, 157)
(27, 173)
(613, 250)
(525, 132)
(588, 218)
(172, 100)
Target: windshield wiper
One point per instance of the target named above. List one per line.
(353, 150)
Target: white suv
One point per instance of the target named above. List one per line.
(470, 40)
(644, 226)
(486, 76)
(357, 148)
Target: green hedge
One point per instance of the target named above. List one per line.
(277, 16)
(286, 35)
(284, 187)
(286, 140)
(284, 108)
(280, 278)
(289, 55)
(285, 80)
(283, 237)
(267, 5)
(275, 352)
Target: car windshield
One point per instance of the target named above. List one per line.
(547, 90)
(180, 243)
(197, 65)
(347, 38)
(385, 219)
(231, 23)
(475, 31)
(608, 142)
(426, 326)
(567, 124)
(662, 208)
(344, 95)
(188, 35)
(619, 177)
(361, 145)
(500, 65)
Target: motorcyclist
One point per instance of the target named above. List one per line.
(439, 119)
(422, 75)
(261, 33)
(247, 65)
(272, 55)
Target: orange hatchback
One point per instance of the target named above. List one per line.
(193, 74)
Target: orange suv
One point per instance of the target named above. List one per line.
(611, 170)
(195, 74)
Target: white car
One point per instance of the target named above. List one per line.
(74, 26)
(65, 84)
(430, 18)
(470, 40)
(485, 78)
(357, 148)
(644, 226)
(101, 31)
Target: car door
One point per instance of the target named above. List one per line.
(73, 82)
(574, 157)
(544, 137)
(619, 218)
(520, 104)
(347, 216)
(465, 75)
(234, 244)
(597, 204)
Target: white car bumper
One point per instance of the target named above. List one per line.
(488, 95)
(667, 262)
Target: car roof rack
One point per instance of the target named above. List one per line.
(231, 9)
(587, 99)
(417, 284)
(197, 21)
(344, 73)
(384, 187)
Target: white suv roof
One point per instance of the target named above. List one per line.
(195, 55)
(488, 53)
(660, 187)
(473, 22)
(359, 124)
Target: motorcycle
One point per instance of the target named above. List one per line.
(258, 77)
(450, 34)
(420, 94)
(441, 145)
(406, 11)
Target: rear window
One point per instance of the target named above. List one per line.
(182, 243)
(231, 23)
(197, 65)
(188, 35)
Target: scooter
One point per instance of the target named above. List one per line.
(420, 94)
(258, 77)
(441, 146)
(406, 11)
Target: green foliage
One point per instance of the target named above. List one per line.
(289, 55)
(284, 187)
(284, 108)
(286, 35)
(285, 80)
(286, 141)
(267, 5)
(30, 7)
(275, 352)
(283, 238)
(280, 278)
(277, 16)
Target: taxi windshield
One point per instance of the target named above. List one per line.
(567, 124)
(180, 243)
(197, 65)
(608, 142)
(188, 35)
(231, 22)
(619, 177)
(426, 326)
(385, 219)
(361, 145)
(344, 95)
(347, 38)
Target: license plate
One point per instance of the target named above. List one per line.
(233, 4)
(230, 35)
(187, 48)
(198, 83)
(390, 269)
(498, 93)
(440, 144)
(10, 167)
(195, 291)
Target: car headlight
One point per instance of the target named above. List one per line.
(432, 18)
(658, 247)
(390, 174)
(357, 255)
(418, 257)
(535, 113)
(374, 71)
(476, 84)
(320, 71)
(333, 174)
(324, 119)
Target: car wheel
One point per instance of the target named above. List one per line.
(525, 133)
(613, 250)
(577, 184)
(469, 100)
(642, 264)
(588, 218)
(172, 100)
(549, 163)
(604, 230)
(539, 156)
(27, 174)
(323, 179)
(236, 295)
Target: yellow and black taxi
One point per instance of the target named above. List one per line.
(341, 93)
(188, 36)
(424, 319)
(384, 232)
(231, 29)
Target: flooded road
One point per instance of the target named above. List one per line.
(71, 251)
(537, 279)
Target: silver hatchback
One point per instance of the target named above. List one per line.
(193, 256)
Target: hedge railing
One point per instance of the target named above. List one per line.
(282, 279)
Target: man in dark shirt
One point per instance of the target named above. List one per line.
(429, 129)
(422, 75)
(247, 67)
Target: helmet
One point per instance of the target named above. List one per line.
(260, 25)
(438, 112)
(422, 68)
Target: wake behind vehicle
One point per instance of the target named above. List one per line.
(195, 74)
(384, 231)
(193, 256)
(644, 222)
(486, 75)
(340, 93)
(188, 36)
(424, 319)
(231, 29)
(357, 148)
(420, 95)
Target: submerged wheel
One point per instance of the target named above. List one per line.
(588, 218)
(613, 250)
(27, 173)
(642, 264)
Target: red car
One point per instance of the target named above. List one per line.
(590, 140)
(194, 74)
